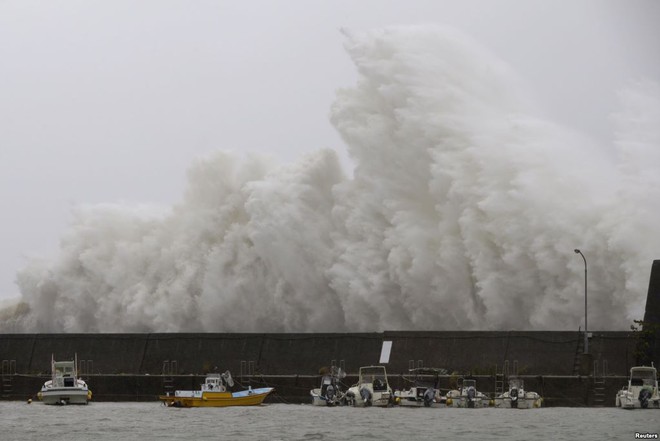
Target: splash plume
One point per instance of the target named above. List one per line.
(462, 213)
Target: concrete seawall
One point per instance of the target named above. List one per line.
(141, 366)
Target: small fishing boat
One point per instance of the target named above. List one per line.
(517, 397)
(642, 389)
(372, 388)
(330, 393)
(466, 395)
(64, 387)
(214, 393)
(424, 391)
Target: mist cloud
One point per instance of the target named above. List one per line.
(462, 213)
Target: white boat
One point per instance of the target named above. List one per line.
(214, 393)
(64, 387)
(466, 395)
(642, 389)
(424, 391)
(372, 388)
(330, 393)
(518, 397)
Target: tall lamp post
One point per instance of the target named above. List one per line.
(586, 332)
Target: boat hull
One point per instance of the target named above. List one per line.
(408, 401)
(464, 402)
(377, 399)
(412, 402)
(626, 401)
(415, 398)
(522, 403)
(319, 400)
(254, 397)
(57, 396)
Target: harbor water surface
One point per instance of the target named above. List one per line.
(153, 421)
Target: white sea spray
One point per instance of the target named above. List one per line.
(462, 213)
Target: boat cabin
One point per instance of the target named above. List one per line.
(64, 374)
(215, 383)
(375, 375)
(516, 383)
(469, 384)
(643, 376)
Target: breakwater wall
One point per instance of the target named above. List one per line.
(141, 366)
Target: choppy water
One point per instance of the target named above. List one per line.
(152, 421)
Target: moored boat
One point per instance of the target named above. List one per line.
(372, 388)
(518, 397)
(214, 393)
(424, 391)
(642, 389)
(64, 387)
(466, 395)
(330, 392)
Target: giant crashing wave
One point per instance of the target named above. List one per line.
(462, 214)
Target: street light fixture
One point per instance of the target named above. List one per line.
(586, 332)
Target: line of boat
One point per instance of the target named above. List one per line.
(372, 389)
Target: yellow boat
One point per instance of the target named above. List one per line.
(214, 393)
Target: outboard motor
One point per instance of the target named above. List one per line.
(514, 397)
(429, 395)
(366, 396)
(644, 396)
(330, 395)
(471, 394)
(350, 398)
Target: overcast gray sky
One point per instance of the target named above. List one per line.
(107, 101)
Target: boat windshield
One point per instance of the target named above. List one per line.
(426, 377)
(516, 383)
(63, 369)
(213, 382)
(370, 374)
(643, 377)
